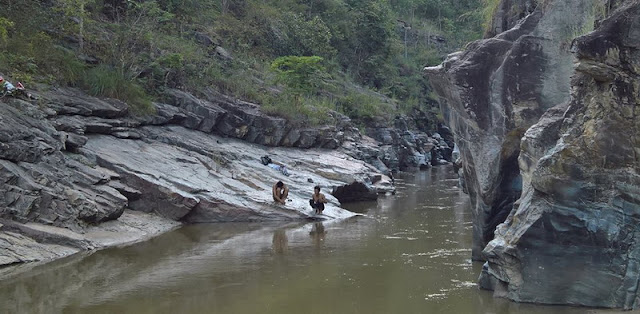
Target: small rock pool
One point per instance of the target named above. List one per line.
(409, 253)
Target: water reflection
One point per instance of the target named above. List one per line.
(317, 234)
(280, 241)
(409, 254)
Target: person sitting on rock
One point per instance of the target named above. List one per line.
(317, 200)
(280, 192)
(6, 87)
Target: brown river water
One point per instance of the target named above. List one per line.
(409, 253)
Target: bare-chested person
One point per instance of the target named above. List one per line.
(317, 200)
(280, 192)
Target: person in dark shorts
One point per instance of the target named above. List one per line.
(317, 200)
(280, 193)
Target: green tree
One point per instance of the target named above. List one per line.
(308, 37)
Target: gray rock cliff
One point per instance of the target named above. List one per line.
(496, 89)
(563, 130)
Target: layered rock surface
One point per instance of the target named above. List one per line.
(78, 173)
(495, 90)
(571, 237)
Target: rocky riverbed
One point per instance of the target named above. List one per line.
(79, 173)
(548, 125)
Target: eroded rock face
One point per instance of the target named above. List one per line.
(573, 237)
(221, 115)
(38, 183)
(498, 88)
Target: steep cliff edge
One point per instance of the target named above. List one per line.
(495, 90)
(554, 124)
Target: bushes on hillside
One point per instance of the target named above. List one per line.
(310, 54)
(104, 81)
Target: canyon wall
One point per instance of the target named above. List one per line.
(548, 125)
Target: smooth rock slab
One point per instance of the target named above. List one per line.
(195, 177)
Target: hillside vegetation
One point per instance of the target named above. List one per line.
(298, 59)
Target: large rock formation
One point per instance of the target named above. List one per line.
(78, 173)
(499, 87)
(572, 236)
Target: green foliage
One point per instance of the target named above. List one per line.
(303, 111)
(238, 80)
(490, 8)
(305, 37)
(5, 26)
(104, 81)
(37, 55)
(349, 56)
(361, 106)
(301, 75)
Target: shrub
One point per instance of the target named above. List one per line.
(360, 106)
(301, 111)
(28, 57)
(104, 81)
(5, 26)
(301, 75)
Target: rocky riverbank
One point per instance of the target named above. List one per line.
(79, 173)
(548, 127)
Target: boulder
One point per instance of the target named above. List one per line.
(73, 142)
(223, 53)
(355, 192)
(206, 116)
(402, 148)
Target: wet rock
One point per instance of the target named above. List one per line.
(200, 185)
(498, 88)
(22, 243)
(575, 227)
(355, 192)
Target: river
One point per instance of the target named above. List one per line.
(408, 253)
